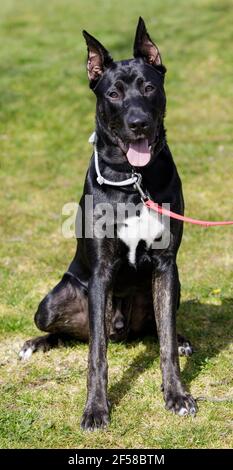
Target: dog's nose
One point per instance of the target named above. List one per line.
(138, 125)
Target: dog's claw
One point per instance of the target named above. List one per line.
(26, 351)
(183, 412)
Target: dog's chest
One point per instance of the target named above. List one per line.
(146, 226)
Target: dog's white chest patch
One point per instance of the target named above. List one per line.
(145, 227)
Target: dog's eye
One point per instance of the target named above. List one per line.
(149, 88)
(114, 95)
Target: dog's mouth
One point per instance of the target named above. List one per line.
(137, 152)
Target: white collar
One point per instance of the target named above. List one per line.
(100, 179)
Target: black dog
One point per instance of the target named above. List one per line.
(120, 286)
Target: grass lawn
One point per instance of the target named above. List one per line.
(46, 117)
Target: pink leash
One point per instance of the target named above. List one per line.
(136, 180)
(161, 210)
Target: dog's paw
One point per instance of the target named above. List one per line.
(40, 343)
(185, 349)
(184, 346)
(181, 404)
(95, 417)
(27, 350)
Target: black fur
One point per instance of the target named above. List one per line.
(102, 295)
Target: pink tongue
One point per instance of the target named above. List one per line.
(139, 153)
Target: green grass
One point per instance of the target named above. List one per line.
(47, 114)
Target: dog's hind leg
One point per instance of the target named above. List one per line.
(63, 313)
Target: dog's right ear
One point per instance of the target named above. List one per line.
(98, 59)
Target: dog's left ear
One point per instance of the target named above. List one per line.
(144, 46)
(98, 58)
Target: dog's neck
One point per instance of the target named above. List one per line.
(113, 165)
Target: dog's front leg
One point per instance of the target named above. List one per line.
(96, 413)
(165, 290)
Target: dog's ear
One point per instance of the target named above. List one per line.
(144, 46)
(98, 58)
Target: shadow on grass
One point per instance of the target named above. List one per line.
(143, 361)
(209, 328)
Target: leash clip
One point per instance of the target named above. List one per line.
(137, 185)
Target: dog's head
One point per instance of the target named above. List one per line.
(130, 95)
